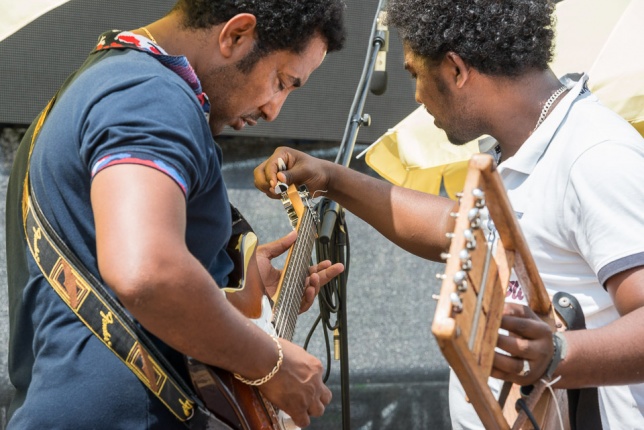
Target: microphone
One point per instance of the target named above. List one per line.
(379, 78)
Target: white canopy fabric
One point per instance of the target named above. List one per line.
(595, 36)
(15, 14)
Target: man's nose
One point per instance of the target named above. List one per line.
(272, 108)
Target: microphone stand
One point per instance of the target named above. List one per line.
(333, 238)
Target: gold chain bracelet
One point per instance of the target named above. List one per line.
(265, 379)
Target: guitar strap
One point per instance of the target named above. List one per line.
(88, 298)
(583, 403)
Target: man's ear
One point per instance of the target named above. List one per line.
(238, 35)
(458, 71)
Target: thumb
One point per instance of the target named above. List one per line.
(277, 247)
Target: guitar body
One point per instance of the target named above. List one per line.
(239, 405)
(242, 406)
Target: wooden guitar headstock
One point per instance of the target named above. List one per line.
(477, 273)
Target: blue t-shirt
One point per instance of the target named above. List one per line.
(125, 106)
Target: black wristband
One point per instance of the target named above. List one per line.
(560, 349)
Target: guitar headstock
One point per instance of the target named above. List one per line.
(486, 246)
(295, 201)
(472, 295)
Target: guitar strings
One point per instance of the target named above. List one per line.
(296, 278)
(294, 283)
(286, 312)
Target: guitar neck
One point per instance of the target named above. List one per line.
(292, 284)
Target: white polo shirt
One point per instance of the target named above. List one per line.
(577, 187)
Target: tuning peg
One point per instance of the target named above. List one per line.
(469, 237)
(440, 276)
(474, 217)
(460, 279)
(281, 188)
(453, 214)
(466, 262)
(445, 255)
(479, 196)
(457, 304)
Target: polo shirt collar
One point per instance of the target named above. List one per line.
(117, 39)
(532, 150)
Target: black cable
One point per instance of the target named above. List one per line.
(521, 404)
(333, 238)
(329, 301)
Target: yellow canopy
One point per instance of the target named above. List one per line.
(595, 36)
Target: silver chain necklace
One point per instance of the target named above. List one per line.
(549, 102)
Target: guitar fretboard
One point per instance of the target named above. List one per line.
(287, 307)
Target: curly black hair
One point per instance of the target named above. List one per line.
(281, 24)
(496, 37)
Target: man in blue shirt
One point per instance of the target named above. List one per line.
(126, 171)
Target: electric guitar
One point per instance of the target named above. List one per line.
(470, 305)
(242, 406)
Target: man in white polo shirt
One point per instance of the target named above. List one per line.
(574, 173)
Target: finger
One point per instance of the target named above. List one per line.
(510, 368)
(326, 396)
(280, 187)
(320, 266)
(265, 175)
(327, 274)
(313, 280)
(263, 180)
(301, 420)
(284, 177)
(316, 409)
(515, 346)
(277, 247)
(525, 327)
(308, 298)
(284, 163)
(519, 310)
